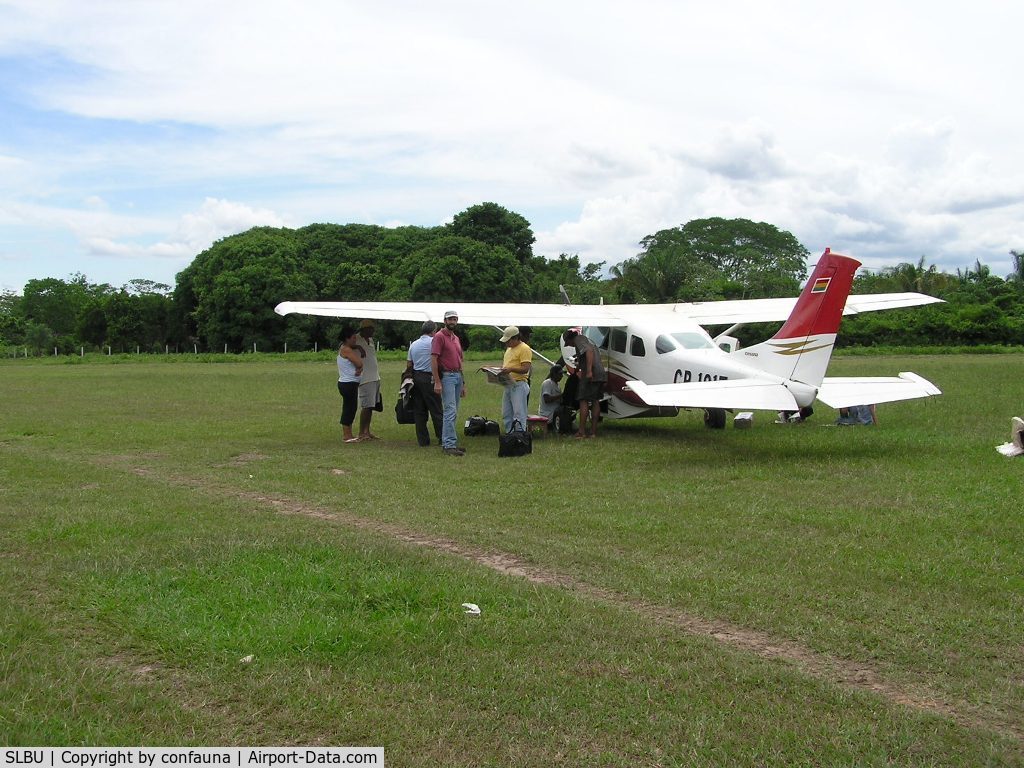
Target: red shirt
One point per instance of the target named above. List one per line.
(448, 348)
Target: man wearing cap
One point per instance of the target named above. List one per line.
(424, 400)
(369, 382)
(516, 363)
(446, 367)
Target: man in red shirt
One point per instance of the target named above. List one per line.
(446, 365)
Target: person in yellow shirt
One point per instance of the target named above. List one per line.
(516, 363)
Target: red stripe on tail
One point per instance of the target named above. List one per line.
(819, 309)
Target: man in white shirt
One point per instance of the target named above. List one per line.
(369, 382)
(424, 400)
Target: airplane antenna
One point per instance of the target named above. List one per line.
(565, 296)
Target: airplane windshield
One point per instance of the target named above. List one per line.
(598, 335)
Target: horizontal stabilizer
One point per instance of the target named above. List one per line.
(872, 302)
(748, 394)
(846, 391)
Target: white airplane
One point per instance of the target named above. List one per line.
(659, 358)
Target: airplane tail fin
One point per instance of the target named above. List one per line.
(800, 351)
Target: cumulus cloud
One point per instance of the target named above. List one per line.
(887, 132)
(195, 231)
(742, 153)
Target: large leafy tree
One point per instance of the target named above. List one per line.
(665, 271)
(492, 224)
(713, 258)
(755, 259)
(582, 283)
(455, 268)
(234, 285)
(57, 303)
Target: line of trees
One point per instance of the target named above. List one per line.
(225, 297)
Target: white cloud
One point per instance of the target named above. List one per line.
(882, 130)
(218, 218)
(193, 233)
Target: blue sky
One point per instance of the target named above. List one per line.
(135, 134)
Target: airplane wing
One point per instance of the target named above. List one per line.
(730, 312)
(470, 313)
(842, 392)
(727, 312)
(755, 394)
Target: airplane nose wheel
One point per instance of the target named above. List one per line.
(714, 418)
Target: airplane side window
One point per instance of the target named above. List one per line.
(618, 340)
(636, 346)
(598, 335)
(689, 340)
(664, 344)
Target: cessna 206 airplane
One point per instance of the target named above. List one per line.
(659, 357)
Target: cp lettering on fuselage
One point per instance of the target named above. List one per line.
(687, 376)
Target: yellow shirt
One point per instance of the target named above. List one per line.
(515, 357)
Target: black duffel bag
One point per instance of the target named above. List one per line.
(516, 442)
(475, 426)
(403, 411)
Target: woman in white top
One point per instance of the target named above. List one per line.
(350, 368)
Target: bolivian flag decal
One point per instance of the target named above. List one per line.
(821, 285)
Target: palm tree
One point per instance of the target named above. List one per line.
(1017, 275)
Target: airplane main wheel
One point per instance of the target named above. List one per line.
(714, 418)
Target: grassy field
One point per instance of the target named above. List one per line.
(665, 595)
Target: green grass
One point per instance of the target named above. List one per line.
(160, 522)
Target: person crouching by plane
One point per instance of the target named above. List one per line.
(857, 415)
(350, 368)
(446, 366)
(551, 396)
(369, 381)
(592, 378)
(517, 363)
(424, 400)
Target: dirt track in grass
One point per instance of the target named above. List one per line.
(852, 675)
